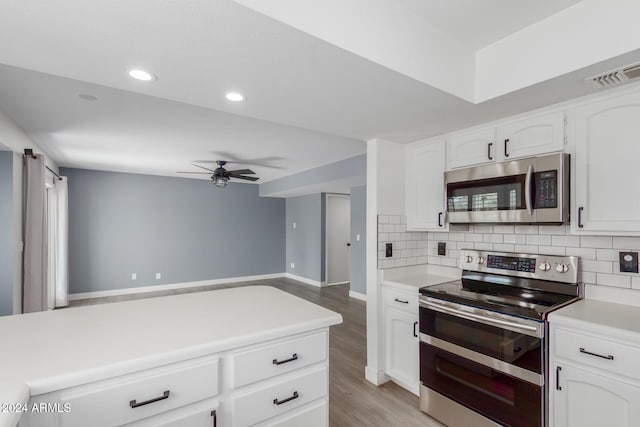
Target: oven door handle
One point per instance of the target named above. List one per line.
(479, 317)
(527, 190)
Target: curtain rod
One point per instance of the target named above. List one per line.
(29, 152)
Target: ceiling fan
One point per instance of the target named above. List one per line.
(221, 176)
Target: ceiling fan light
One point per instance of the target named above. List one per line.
(221, 181)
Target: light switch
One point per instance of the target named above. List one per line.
(294, 225)
(357, 237)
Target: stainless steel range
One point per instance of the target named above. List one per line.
(483, 348)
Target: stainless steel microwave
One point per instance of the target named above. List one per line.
(531, 190)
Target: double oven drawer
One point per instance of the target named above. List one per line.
(490, 363)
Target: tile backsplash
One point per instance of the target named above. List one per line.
(599, 261)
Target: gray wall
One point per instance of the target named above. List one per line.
(305, 243)
(183, 228)
(358, 258)
(6, 232)
(337, 177)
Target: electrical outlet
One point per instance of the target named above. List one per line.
(388, 250)
(628, 262)
(442, 248)
(357, 237)
(293, 265)
(134, 276)
(158, 276)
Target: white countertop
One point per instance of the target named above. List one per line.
(607, 318)
(47, 351)
(414, 277)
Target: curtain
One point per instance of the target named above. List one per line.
(58, 237)
(34, 292)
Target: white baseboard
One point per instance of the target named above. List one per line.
(142, 289)
(337, 283)
(374, 376)
(358, 295)
(305, 280)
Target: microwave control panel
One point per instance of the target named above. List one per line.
(546, 184)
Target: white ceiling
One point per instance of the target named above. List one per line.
(309, 102)
(477, 23)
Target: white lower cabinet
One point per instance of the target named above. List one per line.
(594, 380)
(583, 398)
(402, 344)
(283, 382)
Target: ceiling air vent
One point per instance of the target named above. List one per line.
(616, 77)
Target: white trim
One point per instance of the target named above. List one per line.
(374, 376)
(305, 280)
(143, 289)
(358, 295)
(337, 283)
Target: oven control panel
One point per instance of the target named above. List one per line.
(513, 263)
(545, 267)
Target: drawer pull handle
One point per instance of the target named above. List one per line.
(135, 404)
(558, 369)
(401, 301)
(295, 395)
(214, 414)
(415, 325)
(608, 357)
(293, 357)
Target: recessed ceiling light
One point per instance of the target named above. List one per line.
(87, 97)
(143, 75)
(234, 96)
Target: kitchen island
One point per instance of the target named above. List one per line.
(242, 356)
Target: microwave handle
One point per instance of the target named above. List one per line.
(527, 190)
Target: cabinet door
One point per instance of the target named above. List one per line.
(425, 185)
(590, 400)
(531, 137)
(472, 148)
(403, 348)
(606, 166)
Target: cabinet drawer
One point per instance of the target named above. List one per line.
(600, 353)
(201, 414)
(279, 397)
(401, 300)
(312, 415)
(133, 397)
(259, 363)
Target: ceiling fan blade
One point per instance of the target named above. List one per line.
(242, 172)
(203, 173)
(248, 178)
(202, 167)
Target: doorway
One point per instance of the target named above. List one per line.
(337, 236)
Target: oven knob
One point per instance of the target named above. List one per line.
(562, 268)
(480, 260)
(468, 259)
(544, 266)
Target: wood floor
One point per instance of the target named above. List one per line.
(353, 401)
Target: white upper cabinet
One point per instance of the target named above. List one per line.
(607, 149)
(472, 148)
(531, 137)
(522, 138)
(425, 163)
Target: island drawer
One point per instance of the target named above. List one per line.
(266, 361)
(315, 414)
(405, 301)
(136, 396)
(597, 352)
(280, 396)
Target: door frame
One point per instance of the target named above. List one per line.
(326, 236)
